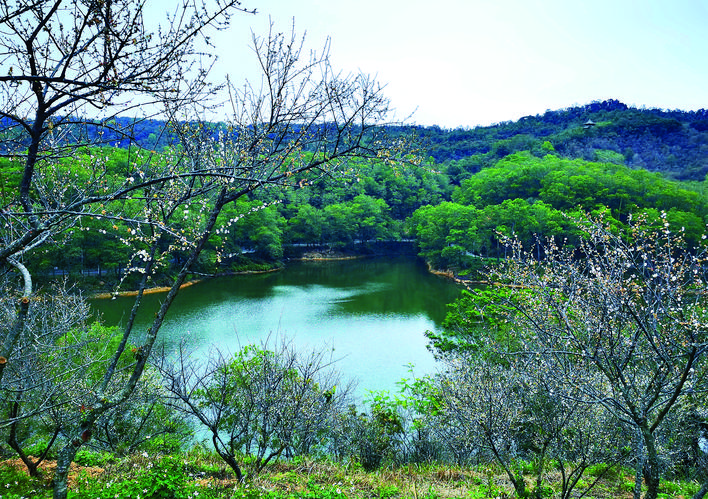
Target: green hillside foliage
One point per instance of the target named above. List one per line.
(566, 184)
(672, 142)
(538, 197)
(528, 178)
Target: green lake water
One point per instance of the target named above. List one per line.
(373, 312)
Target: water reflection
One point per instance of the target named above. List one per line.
(372, 312)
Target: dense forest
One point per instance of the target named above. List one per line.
(465, 192)
(673, 142)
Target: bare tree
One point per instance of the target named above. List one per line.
(62, 60)
(66, 59)
(513, 412)
(144, 422)
(49, 366)
(259, 402)
(623, 319)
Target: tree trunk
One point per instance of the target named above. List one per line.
(639, 466)
(61, 474)
(702, 492)
(516, 480)
(228, 458)
(32, 466)
(651, 475)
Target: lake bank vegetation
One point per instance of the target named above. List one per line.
(453, 211)
(199, 473)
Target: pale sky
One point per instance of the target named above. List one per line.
(462, 63)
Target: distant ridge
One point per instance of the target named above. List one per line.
(672, 142)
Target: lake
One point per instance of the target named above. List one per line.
(373, 312)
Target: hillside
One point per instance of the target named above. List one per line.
(672, 142)
(522, 177)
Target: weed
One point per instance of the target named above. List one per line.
(387, 491)
(677, 489)
(162, 478)
(16, 483)
(94, 459)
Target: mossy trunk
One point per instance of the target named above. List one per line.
(651, 467)
(702, 492)
(61, 474)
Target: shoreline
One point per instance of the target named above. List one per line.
(449, 274)
(147, 291)
(165, 289)
(327, 258)
(305, 257)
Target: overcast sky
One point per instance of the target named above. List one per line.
(462, 63)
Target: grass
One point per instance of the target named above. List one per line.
(203, 475)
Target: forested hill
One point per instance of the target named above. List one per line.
(672, 142)
(522, 178)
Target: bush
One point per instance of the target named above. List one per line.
(90, 458)
(259, 403)
(15, 483)
(164, 477)
(371, 438)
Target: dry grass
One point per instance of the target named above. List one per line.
(46, 470)
(148, 291)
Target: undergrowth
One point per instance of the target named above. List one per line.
(201, 474)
